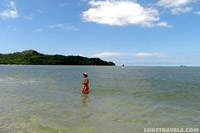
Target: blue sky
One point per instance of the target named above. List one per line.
(130, 32)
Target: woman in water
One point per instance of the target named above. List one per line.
(85, 83)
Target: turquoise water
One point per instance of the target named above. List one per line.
(48, 99)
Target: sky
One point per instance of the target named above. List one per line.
(130, 32)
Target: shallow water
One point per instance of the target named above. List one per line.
(122, 99)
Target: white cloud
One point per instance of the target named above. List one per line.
(174, 3)
(79, 54)
(179, 10)
(63, 27)
(136, 58)
(10, 13)
(28, 18)
(107, 54)
(164, 24)
(39, 30)
(176, 6)
(123, 12)
(149, 55)
(198, 13)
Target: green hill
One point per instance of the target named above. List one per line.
(32, 57)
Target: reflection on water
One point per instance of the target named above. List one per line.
(86, 113)
(84, 100)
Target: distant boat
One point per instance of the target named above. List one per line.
(123, 65)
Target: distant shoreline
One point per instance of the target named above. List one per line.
(97, 65)
(32, 57)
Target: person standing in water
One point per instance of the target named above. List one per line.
(85, 83)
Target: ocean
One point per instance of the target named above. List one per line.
(48, 99)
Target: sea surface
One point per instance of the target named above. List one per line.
(48, 99)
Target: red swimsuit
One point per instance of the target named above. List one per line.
(85, 89)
